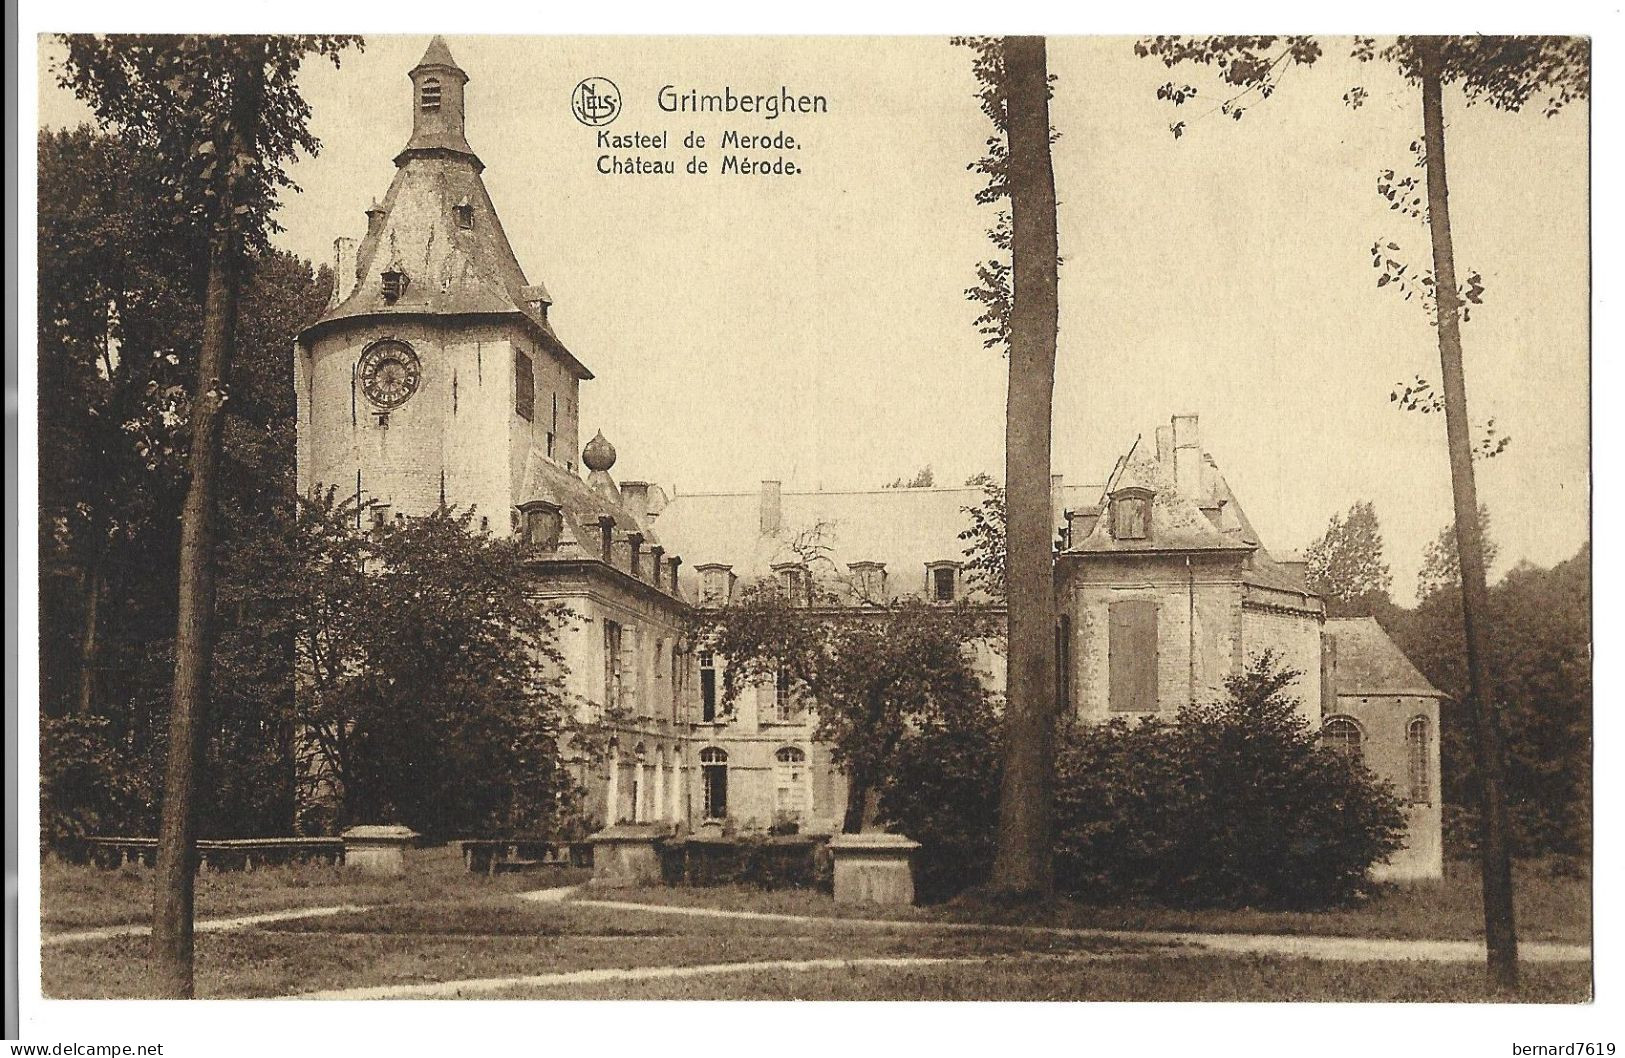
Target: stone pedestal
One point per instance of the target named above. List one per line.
(628, 855)
(873, 869)
(379, 850)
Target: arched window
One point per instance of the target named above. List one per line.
(429, 99)
(790, 771)
(1342, 735)
(1416, 760)
(714, 781)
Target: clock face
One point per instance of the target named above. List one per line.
(390, 373)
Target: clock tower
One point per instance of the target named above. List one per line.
(434, 376)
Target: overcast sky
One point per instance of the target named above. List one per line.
(815, 328)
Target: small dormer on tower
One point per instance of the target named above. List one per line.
(437, 103)
(1131, 512)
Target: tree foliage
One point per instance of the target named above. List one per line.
(118, 289)
(923, 478)
(1541, 666)
(985, 538)
(1232, 804)
(870, 676)
(1441, 564)
(1346, 565)
(430, 683)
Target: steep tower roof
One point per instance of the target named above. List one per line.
(436, 247)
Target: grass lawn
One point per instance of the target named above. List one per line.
(1129, 979)
(1549, 908)
(496, 936)
(74, 896)
(440, 923)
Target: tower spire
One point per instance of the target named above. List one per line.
(437, 104)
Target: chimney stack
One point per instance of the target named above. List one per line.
(344, 266)
(635, 498)
(1187, 458)
(1165, 444)
(772, 507)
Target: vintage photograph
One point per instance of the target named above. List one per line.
(1071, 518)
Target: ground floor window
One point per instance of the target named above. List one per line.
(1342, 735)
(790, 771)
(714, 781)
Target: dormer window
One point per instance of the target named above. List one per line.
(1131, 514)
(465, 215)
(394, 284)
(869, 582)
(429, 99)
(794, 583)
(543, 524)
(716, 584)
(942, 582)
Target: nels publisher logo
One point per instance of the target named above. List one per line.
(596, 101)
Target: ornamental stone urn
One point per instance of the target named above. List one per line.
(378, 850)
(627, 855)
(874, 869)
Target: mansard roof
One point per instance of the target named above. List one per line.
(905, 529)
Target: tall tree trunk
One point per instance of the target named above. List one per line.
(857, 803)
(194, 632)
(1494, 847)
(1024, 861)
(90, 639)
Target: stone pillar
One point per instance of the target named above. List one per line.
(873, 869)
(640, 792)
(679, 797)
(627, 855)
(379, 850)
(659, 813)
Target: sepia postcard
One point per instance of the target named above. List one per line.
(1087, 519)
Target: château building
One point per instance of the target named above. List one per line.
(435, 376)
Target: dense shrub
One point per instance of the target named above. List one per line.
(944, 793)
(1231, 804)
(757, 861)
(89, 783)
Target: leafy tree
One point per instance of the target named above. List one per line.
(117, 302)
(985, 537)
(1507, 72)
(1021, 314)
(430, 683)
(1542, 665)
(923, 478)
(870, 678)
(221, 117)
(1440, 566)
(1346, 565)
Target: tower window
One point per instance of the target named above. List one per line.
(524, 386)
(1416, 758)
(543, 526)
(465, 215)
(394, 282)
(429, 99)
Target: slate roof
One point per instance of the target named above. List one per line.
(450, 270)
(1370, 663)
(903, 528)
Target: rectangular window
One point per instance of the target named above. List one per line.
(1132, 655)
(784, 698)
(612, 664)
(708, 687)
(524, 386)
(942, 583)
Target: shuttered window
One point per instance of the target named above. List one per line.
(524, 386)
(1132, 648)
